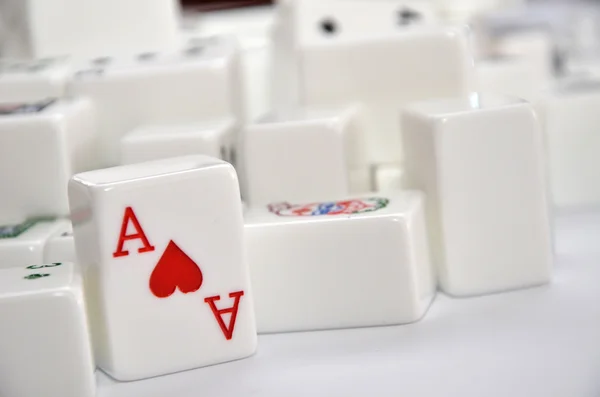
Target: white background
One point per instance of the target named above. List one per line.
(538, 342)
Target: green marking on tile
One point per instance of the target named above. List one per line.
(36, 276)
(35, 267)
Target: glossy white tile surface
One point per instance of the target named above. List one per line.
(166, 277)
(43, 145)
(45, 347)
(480, 162)
(362, 261)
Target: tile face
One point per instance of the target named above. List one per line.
(167, 278)
(302, 24)
(333, 54)
(355, 262)
(31, 81)
(307, 154)
(36, 30)
(49, 141)
(479, 161)
(572, 121)
(60, 364)
(147, 143)
(194, 85)
(23, 244)
(318, 22)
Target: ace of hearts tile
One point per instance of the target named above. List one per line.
(166, 278)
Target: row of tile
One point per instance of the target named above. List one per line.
(305, 155)
(169, 285)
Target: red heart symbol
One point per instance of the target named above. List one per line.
(175, 270)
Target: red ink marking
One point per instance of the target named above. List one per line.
(123, 237)
(218, 313)
(175, 270)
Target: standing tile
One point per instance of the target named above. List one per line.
(45, 346)
(167, 279)
(355, 262)
(480, 162)
(48, 141)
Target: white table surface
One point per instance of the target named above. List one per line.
(538, 342)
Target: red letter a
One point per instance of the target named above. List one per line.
(139, 234)
(227, 330)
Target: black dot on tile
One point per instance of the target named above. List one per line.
(406, 16)
(329, 26)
